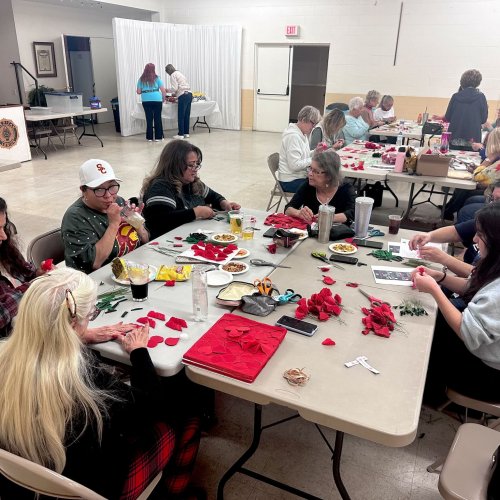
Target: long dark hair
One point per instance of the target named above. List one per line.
(172, 165)
(149, 74)
(488, 269)
(11, 258)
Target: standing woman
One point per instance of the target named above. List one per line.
(329, 130)
(182, 90)
(152, 92)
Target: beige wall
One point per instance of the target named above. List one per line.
(407, 107)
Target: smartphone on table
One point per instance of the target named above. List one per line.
(297, 325)
(346, 259)
(368, 243)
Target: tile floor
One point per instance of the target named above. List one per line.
(235, 164)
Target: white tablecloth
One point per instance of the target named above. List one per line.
(209, 109)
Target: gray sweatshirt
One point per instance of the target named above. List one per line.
(480, 328)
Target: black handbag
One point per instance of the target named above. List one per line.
(337, 232)
(430, 128)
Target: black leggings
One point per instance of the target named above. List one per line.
(452, 365)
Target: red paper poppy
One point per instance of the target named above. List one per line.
(47, 265)
(272, 248)
(328, 341)
(328, 281)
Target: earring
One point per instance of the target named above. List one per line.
(326, 185)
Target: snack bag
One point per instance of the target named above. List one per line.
(177, 273)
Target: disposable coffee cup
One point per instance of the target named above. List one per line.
(394, 223)
(425, 117)
(362, 215)
(138, 275)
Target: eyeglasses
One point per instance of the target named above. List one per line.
(313, 171)
(194, 166)
(93, 314)
(100, 192)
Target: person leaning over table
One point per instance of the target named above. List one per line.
(465, 353)
(93, 229)
(467, 111)
(182, 90)
(295, 152)
(152, 91)
(174, 194)
(329, 130)
(61, 409)
(385, 110)
(355, 127)
(325, 186)
(371, 102)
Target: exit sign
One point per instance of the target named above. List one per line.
(292, 30)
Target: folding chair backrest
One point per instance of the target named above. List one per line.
(39, 479)
(48, 245)
(273, 163)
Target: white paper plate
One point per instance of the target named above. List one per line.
(153, 271)
(235, 272)
(301, 232)
(219, 278)
(244, 256)
(220, 242)
(336, 248)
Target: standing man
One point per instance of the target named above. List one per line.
(182, 90)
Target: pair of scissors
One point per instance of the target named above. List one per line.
(265, 286)
(260, 262)
(374, 232)
(289, 296)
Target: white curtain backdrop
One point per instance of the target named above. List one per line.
(209, 57)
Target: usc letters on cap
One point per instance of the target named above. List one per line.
(95, 172)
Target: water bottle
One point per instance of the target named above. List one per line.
(200, 294)
(325, 221)
(399, 141)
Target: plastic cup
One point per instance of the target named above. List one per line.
(394, 223)
(248, 227)
(235, 221)
(362, 214)
(138, 275)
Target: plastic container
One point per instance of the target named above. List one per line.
(399, 140)
(400, 160)
(64, 102)
(325, 221)
(200, 294)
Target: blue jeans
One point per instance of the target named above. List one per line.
(292, 186)
(152, 110)
(184, 112)
(471, 206)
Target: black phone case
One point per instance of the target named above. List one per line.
(297, 330)
(368, 243)
(346, 259)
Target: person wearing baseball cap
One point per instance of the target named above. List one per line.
(100, 225)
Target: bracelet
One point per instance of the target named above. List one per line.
(443, 278)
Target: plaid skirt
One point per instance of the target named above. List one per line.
(164, 451)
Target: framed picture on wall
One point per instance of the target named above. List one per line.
(45, 60)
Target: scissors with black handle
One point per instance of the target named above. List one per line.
(260, 262)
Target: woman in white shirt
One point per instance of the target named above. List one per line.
(385, 111)
(182, 91)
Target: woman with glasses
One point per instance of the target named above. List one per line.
(325, 186)
(174, 194)
(100, 225)
(61, 409)
(15, 273)
(295, 152)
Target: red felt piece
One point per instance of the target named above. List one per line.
(181, 322)
(154, 341)
(285, 221)
(178, 245)
(145, 320)
(180, 238)
(156, 315)
(352, 284)
(272, 248)
(171, 323)
(47, 265)
(328, 281)
(171, 341)
(244, 357)
(155, 243)
(169, 283)
(328, 341)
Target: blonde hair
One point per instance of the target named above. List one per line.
(493, 144)
(333, 122)
(372, 94)
(46, 381)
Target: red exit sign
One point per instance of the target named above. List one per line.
(292, 30)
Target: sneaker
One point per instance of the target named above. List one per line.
(186, 136)
(178, 137)
(149, 140)
(158, 140)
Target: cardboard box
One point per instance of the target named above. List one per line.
(433, 165)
